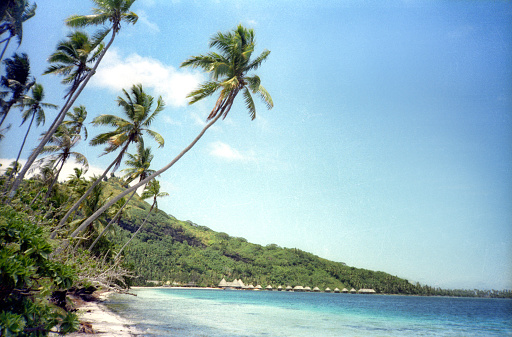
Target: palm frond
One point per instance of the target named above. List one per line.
(249, 103)
(157, 137)
(258, 61)
(206, 89)
(266, 98)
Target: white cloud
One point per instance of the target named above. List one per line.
(222, 150)
(117, 72)
(143, 18)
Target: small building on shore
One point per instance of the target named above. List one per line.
(280, 288)
(316, 289)
(367, 291)
(344, 290)
(327, 290)
(336, 290)
(353, 291)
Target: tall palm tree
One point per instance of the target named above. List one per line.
(113, 12)
(138, 168)
(152, 190)
(60, 148)
(228, 76)
(34, 110)
(76, 120)
(72, 58)
(137, 108)
(12, 15)
(17, 81)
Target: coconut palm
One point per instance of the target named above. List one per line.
(137, 108)
(76, 120)
(112, 12)
(60, 148)
(152, 190)
(12, 15)
(228, 71)
(17, 81)
(138, 164)
(138, 168)
(93, 202)
(72, 58)
(34, 110)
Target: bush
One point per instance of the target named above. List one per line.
(28, 277)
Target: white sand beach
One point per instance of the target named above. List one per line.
(99, 321)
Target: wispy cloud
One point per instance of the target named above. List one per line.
(224, 151)
(143, 18)
(118, 72)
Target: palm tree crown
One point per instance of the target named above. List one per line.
(138, 164)
(137, 109)
(72, 57)
(228, 71)
(113, 11)
(76, 120)
(35, 106)
(16, 80)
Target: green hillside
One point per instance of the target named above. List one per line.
(168, 249)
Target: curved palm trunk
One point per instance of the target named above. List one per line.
(143, 223)
(21, 149)
(57, 122)
(7, 40)
(86, 194)
(114, 219)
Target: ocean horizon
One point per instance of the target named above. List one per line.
(206, 312)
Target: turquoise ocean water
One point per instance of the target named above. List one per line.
(190, 312)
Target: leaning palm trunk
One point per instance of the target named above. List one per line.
(114, 219)
(58, 121)
(143, 223)
(223, 105)
(86, 194)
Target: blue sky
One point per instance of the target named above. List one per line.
(389, 146)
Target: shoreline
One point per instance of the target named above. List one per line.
(96, 319)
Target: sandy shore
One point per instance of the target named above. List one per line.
(99, 321)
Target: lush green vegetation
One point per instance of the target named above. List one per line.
(61, 237)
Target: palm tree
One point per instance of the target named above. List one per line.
(16, 81)
(77, 120)
(94, 201)
(138, 164)
(230, 76)
(152, 190)
(113, 12)
(12, 15)
(137, 109)
(61, 145)
(34, 110)
(72, 58)
(138, 168)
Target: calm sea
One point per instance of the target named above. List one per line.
(188, 312)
